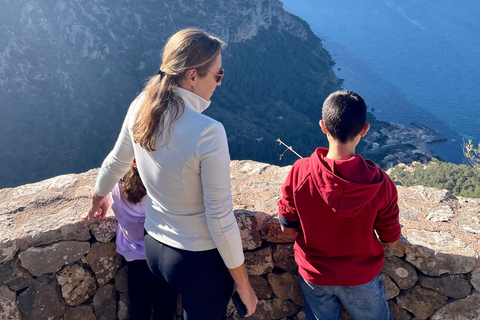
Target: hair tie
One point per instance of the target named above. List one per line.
(161, 73)
(134, 163)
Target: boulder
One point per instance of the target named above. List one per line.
(104, 261)
(420, 301)
(77, 283)
(259, 261)
(286, 286)
(403, 273)
(455, 286)
(8, 306)
(105, 303)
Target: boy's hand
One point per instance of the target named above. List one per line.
(390, 244)
(290, 231)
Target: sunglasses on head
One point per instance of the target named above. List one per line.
(219, 75)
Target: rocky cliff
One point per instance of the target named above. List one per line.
(53, 264)
(69, 69)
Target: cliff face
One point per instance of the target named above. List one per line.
(68, 71)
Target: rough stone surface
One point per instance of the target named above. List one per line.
(402, 273)
(432, 194)
(122, 307)
(391, 288)
(272, 309)
(262, 288)
(51, 258)
(42, 300)
(454, 286)
(249, 229)
(421, 302)
(121, 280)
(105, 303)
(463, 309)
(469, 226)
(283, 257)
(406, 214)
(272, 233)
(286, 286)
(397, 312)
(436, 253)
(441, 214)
(474, 278)
(8, 306)
(104, 261)
(301, 315)
(77, 284)
(79, 313)
(260, 261)
(13, 275)
(104, 230)
(8, 250)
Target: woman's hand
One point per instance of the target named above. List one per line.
(248, 297)
(98, 210)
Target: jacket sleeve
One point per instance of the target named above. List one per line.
(387, 223)
(288, 216)
(212, 150)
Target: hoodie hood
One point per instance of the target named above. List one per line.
(345, 185)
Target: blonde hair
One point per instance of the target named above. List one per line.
(185, 50)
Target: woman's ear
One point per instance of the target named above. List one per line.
(191, 76)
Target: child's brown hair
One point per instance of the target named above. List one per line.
(132, 186)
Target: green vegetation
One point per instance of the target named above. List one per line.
(461, 180)
(471, 153)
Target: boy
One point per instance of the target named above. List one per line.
(336, 201)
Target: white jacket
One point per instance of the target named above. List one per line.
(189, 204)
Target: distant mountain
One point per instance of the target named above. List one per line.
(69, 70)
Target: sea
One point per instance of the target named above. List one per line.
(411, 60)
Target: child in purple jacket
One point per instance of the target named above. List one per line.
(129, 197)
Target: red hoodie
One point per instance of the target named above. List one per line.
(339, 205)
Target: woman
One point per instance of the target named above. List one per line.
(193, 241)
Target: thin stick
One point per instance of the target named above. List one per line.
(289, 148)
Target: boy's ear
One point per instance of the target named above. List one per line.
(365, 130)
(322, 125)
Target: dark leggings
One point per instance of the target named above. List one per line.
(200, 277)
(148, 295)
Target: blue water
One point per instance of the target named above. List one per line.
(411, 60)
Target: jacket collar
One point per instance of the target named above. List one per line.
(193, 101)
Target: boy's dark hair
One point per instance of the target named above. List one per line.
(132, 186)
(344, 114)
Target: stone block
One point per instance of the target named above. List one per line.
(53, 257)
(397, 312)
(463, 309)
(262, 288)
(79, 313)
(77, 283)
(105, 303)
(8, 250)
(284, 257)
(122, 306)
(259, 261)
(436, 253)
(441, 214)
(391, 288)
(42, 300)
(249, 229)
(272, 233)
(106, 229)
(474, 278)
(286, 286)
(104, 261)
(455, 286)
(14, 275)
(8, 306)
(420, 301)
(402, 273)
(121, 280)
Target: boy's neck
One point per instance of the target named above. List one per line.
(340, 151)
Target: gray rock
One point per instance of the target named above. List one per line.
(262, 288)
(455, 286)
(42, 300)
(391, 288)
(474, 278)
(259, 261)
(403, 273)
(252, 167)
(8, 250)
(79, 313)
(397, 312)
(432, 194)
(283, 257)
(62, 226)
(436, 253)
(13, 275)
(464, 309)
(8, 306)
(77, 284)
(122, 307)
(286, 286)
(441, 214)
(51, 258)
(249, 229)
(104, 261)
(420, 301)
(106, 229)
(121, 280)
(407, 214)
(469, 226)
(105, 303)
(412, 202)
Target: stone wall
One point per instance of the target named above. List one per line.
(53, 265)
